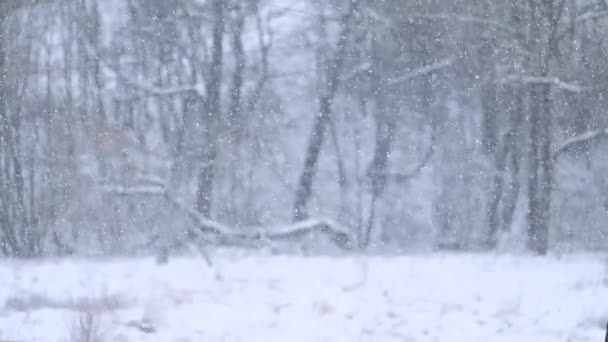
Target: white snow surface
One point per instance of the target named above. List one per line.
(445, 297)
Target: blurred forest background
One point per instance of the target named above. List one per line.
(128, 126)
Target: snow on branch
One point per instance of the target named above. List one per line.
(230, 236)
(421, 71)
(553, 81)
(8, 7)
(152, 90)
(464, 18)
(454, 17)
(226, 235)
(581, 138)
(134, 190)
(339, 234)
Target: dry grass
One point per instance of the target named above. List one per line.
(87, 322)
(33, 302)
(87, 327)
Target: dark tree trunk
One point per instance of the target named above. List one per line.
(8, 220)
(489, 104)
(534, 215)
(505, 184)
(235, 119)
(315, 141)
(385, 132)
(304, 189)
(237, 77)
(495, 152)
(546, 160)
(540, 177)
(206, 176)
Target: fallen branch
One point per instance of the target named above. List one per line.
(229, 236)
(225, 235)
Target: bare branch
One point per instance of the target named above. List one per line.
(427, 69)
(151, 90)
(456, 17)
(576, 140)
(402, 177)
(554, 81)
(134, 190)
(591, 15)
(7, 7)
(465, 18)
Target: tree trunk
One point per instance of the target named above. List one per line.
(9, 163)
(385, 132)
(315, 141)
(237, 76)
(235, 119)
(540, 178)
(496, 195)
(304, 189)
(512, 144)
(489, 104)
(547, 173)
(492, 149)
(545, 24)
(206, 176)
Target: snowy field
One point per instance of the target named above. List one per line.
(276, 299)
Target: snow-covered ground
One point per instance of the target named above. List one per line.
(452, 298)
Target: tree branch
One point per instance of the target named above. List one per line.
(427, 69)
(554, 81)
(592, 15)
(455, 17)
(403, 177)
(465, 18)
(7, 7)
(576, 140)
(152, 91)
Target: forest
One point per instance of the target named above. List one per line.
(129, 127)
